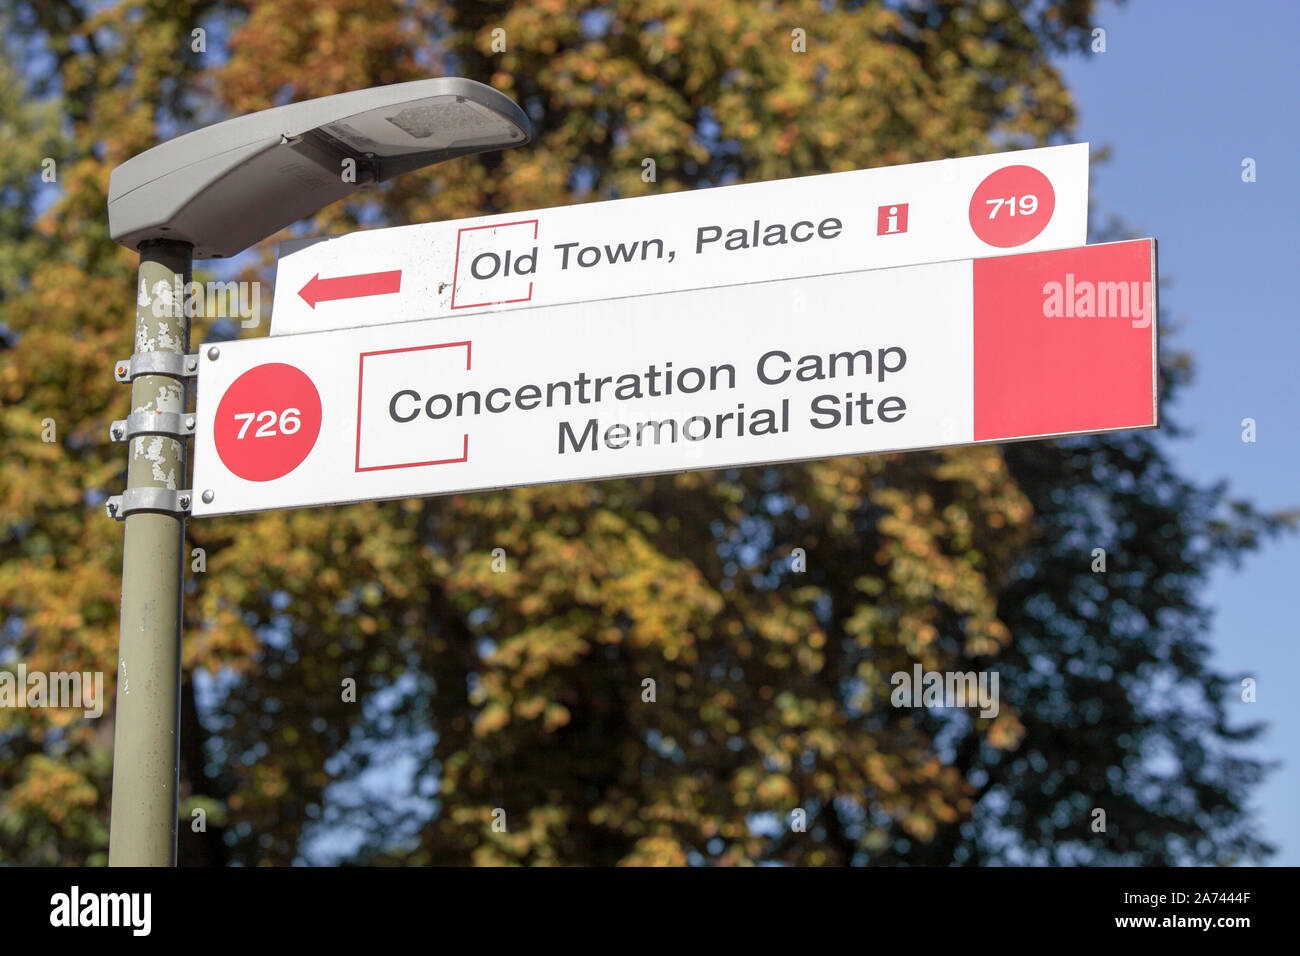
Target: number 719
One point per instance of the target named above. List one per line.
(1028, 205)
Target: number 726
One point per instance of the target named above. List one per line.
(289, 421)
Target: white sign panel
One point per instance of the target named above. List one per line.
(817, 225)
(916, 357)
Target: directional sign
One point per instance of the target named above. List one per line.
(996, 349)
(839, 222)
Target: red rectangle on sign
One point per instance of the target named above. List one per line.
(891, 220)
(1065, 341)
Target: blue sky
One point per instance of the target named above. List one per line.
(1183, 94)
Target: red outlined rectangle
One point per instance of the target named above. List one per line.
(361, 370)
(455, 269)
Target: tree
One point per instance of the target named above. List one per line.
(651, 678)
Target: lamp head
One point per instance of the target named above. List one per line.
(225, 187)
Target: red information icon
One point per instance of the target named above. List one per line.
(1012, 206)
(267, 422)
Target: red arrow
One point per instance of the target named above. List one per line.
(350, 287)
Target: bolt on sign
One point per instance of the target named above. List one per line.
(1022, 201)
(986, 350)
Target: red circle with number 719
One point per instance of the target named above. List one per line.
(1012, 206)
(267, 422)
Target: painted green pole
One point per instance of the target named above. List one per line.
(146, 732)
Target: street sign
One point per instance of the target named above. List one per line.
(838, 222)
(996, 349)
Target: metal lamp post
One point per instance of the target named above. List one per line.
(211, 194)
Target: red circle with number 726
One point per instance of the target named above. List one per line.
(267, 422)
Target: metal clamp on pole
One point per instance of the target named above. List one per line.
(170, 364)
(157, 500)
(172, 424)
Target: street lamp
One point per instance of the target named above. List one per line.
(211, 194)
(224, 187)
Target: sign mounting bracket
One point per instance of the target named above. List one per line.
(171, 364)
(156, 500)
